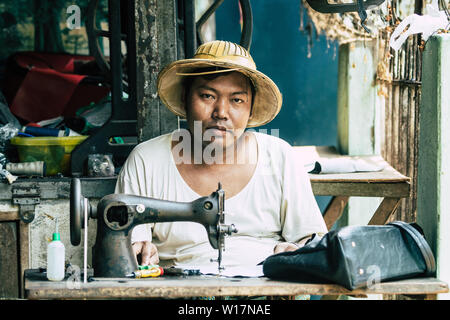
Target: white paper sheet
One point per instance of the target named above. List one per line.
(241, 271)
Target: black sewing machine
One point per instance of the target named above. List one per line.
(118, 214)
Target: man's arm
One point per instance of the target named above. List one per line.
(301, 216)
(145, 251)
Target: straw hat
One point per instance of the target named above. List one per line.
(267, 99)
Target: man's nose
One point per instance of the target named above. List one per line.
(221, 108)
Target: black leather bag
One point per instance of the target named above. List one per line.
(357, 256)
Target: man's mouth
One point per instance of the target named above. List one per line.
(222, 128)
(218, 130)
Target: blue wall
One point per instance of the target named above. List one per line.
(280, 50)
(308, 85)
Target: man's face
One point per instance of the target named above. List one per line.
(222, 106)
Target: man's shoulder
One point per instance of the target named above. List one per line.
(153, 147)
(273, 149)
(146, 159)
(161, 141)
(272, 141)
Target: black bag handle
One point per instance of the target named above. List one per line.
(421, 243)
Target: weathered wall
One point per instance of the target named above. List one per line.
(156, 40)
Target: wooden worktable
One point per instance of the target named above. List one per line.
(38, 287)
(388, 184)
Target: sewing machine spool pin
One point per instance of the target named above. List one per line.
(118, 214)
(222, 228)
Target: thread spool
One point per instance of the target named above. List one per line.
(45, 132)
(36, 168)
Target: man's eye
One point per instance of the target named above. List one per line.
(237, 100)
(206, 96)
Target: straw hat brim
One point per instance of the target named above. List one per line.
(267, 100)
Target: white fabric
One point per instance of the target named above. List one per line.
(276, 205)
(345, 165)
(427, 25)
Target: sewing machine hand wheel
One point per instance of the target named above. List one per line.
(247, 22)
(94, 34)
(78, 208)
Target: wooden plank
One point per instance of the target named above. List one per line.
(395, 125)
(403, 138)
(9, 216)
(409, 210)
(415, 297)
(401, 123)
(20, 256)
(416, 147)
(9, 278)
(385, 176)
(323, 188)
(216, 286)
(334, 210)
(388, 124)
(384, 211)
(24, 253)
(59, 188)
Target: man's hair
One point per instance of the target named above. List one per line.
(188, 80)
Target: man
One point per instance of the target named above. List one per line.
(268, 193)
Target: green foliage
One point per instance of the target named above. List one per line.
(11, 37)
(40, 25)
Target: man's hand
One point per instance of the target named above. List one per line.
(285, 246)
(291, 246)
(146, 253)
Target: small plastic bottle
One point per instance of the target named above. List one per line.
(56, 258)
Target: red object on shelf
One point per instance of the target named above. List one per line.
(50, 88)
